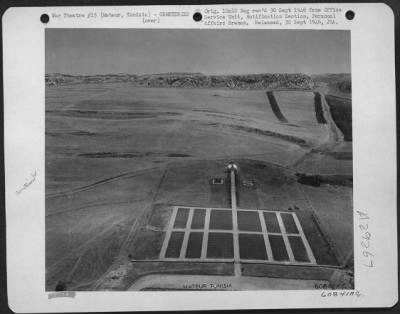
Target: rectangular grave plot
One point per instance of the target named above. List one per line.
(252, 246)
(181, 218)
(220, 245)
(221, 219)
(271, 222)
(249, 221)
(195, 241)
(278, 248)
(289, 223)
(199, 216)
(174, 245)
(298, 248)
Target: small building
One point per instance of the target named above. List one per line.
(218, 181)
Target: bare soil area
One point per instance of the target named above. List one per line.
(119, 156)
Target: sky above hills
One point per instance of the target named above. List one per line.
(148, 51)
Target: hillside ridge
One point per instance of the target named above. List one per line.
(191, 80)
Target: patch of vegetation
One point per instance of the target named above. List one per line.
(286, 271)
(103, 114)
(130, 155)
(83, 133)
(318, 180)
(341, 112)
(336, 83)
(275, 107)
(114, 155)
(76, 133)
(345, 86)
(341, 155)
(179, 155)
(319, 113)
(190, 80)
(285, 137)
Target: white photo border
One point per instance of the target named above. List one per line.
(374, 166)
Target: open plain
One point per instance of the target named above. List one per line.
(121, 157)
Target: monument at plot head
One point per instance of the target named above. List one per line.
(232, 166)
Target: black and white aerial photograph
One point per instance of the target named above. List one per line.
(198, 159)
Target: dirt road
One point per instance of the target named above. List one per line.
(198, 282)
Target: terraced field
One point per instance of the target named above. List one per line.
(299, 109)
(123, 128)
